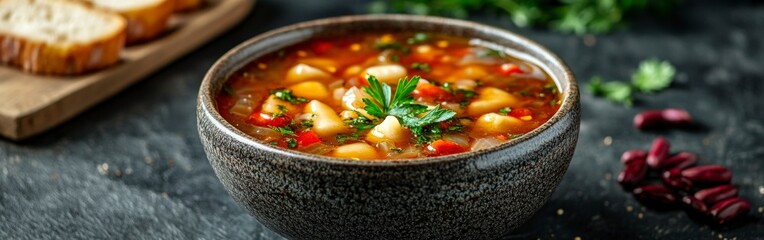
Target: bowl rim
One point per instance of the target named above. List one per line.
(206, 96)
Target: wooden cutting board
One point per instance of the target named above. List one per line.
(31, 104)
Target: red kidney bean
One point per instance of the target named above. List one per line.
(691, 203)
(711, 174)
(716, 194)
(633, 174)
(658, 152)
(730, 209)
(673, 178)
(633, 155)
(658, 196)
(662, 118)
(680, 160)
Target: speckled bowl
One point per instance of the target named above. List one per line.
(475, 195)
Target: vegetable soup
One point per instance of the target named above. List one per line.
(388, 96)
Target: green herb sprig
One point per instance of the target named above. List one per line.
(570, 16)
(401, 105)
(652, 75)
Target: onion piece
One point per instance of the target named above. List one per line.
(242, 107)
(267, 133)
(484, 143)
(460, 139)
(318, 148)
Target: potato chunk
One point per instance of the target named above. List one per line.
(355, 151)
(310, 90)
(387, 73)
(495, 123)
(490, 99)
(303, 72)
(272, 103)
(388, 130)
(326, 123)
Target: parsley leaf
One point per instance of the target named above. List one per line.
(307, 123)
(291, 142)
(417, 38)
(421, 66)
(617, 92)
(360, 123)
(342, 138)
(505, 111)
(286, 131)
(286, 95)
(227, 89)
(402, 106)
(653, 75)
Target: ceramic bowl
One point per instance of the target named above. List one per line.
(475, 195)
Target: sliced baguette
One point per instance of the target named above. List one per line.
(187, 5)
(58, 37)
(146, 19)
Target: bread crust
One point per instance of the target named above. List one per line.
(148, 23)
(187, 5)
(42, 57)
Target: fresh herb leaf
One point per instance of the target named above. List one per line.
(285, 131)
(525, 93)
(401, 105)
(342, 138)
(617, 92)
(421, 66)
(291, 142)
(487, 52)
(551, 88)
(395, 58)
(653, 75)
(505, 111)
(360, 123)
(286, 95)
(381, 46)
(274, 143)
(417, 38)
(307, 123)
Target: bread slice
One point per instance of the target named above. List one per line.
(187, 5)
(146, 19)
(58, 37)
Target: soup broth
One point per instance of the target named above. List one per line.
(388, 96)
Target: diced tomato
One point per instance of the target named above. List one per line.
(431, 92)
(509, 69)
(267, 120)
(461, 52)
(520, 112)
(321, 47)
(358, 82)
(307, 138)
(444, 147)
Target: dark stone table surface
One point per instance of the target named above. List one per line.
(133, 166)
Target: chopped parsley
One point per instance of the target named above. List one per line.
(286, 95)
(421, 66)
(486, 53)
(285, 131)
(525, 93)
(381, 46)
(360, 123)
(307, 123)
(395, 58)
(291, 142)
(342, 138)
(282, 111)
(505, 111)
(417, 38)
(551, 88)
